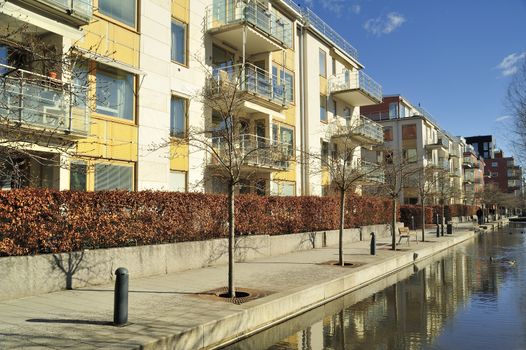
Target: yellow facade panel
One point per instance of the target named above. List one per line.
(179, 157)
(290, 116)
(180, 10)
(324, 90)
(289, 175)
(277, 57)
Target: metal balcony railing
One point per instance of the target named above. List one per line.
(443, 164)
(367, 128)
(355, 80)
(82, 9)
(252, 150)
(36, 100)
(311, 19)
(251, 79)
(221, 14)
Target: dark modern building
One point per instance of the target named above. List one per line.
(504, 173)
(484, 145)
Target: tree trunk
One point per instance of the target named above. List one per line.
(442, 219)
(393, 226)
(342, 222)
(231, 241)
(423, 219)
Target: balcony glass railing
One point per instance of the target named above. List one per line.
(36, 100)
(78, 8)
(355, 80)
(223, 13)
(367, 128)
(373, 172)
(326, 30)
(252, 79)
(443, 164)
(253, 150)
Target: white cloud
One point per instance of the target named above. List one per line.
(510, 64)
(384, 24)
(356, 8)
(502, 118)
(335, 6)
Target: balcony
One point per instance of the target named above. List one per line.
(363, 130)
(373, 172)
(441, 145)
(455, 173)
(468, 162)
(252, 151)
(260, 86)
(266, 32)
(514, 183)
(455, 152)
(355, 88)
(34, 101)
(76, 12)
(443, 164)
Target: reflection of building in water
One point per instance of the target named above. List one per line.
(406, 315)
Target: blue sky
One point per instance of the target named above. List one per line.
(455, 57)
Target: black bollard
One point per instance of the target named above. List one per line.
(120, 306)
(438, 230)
(373, 244)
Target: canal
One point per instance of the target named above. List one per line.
(470, 297)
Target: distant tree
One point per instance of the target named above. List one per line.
(425, 180)
(516, 103)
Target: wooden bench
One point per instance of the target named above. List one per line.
(403, 232)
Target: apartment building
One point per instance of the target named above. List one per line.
(504, 173)
(473, 180)
(145, 64)
(484, 145)
(413, 133)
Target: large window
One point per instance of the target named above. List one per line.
(178, 116)
(77, 176)
(410, 155)
(393, 110)
(179, 41)
(286, 77)
(409, 132)
(177, 181)
(388, 133)
(323, 108)
(324, 153)
(123, 10)
(113, 177)
(323, 64)
(115, 92)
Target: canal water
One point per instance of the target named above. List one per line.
(470, 297)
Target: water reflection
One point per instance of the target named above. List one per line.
(458, 300)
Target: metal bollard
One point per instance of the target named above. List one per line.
(120, 306)
(438, 230)
(373, 244)
(412, 222)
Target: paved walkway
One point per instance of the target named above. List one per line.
(164, 305)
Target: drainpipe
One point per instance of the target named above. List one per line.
(305, 191)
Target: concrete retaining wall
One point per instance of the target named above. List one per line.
(32, 275)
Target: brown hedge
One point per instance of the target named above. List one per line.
(406, 211)
(455, 210)
(34, 221)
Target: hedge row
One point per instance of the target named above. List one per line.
(34, 221)
(455, 210)
(408, 211)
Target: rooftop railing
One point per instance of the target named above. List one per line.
(252, 150)
(219, 14)
(252, 79)
(36, 100)
(313, 20)
(355, 80)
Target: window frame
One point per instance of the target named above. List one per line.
(185, 173)
(119, 164)
(117, 21)
(185, 38)
(185, 117)
(325, 117)
(323, 54)
(108, 69)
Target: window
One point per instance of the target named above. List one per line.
(324, 153)
(323, 108)
(409, 132)
(335, 108)
(284, 77)
(177, 181)
(494, 164)
(388, 133)
(178, 41)
(178, 116)
(333, 66)
(288, 189)
(123, 11)
(287, 137)
(323, 64)
(494, 174)
(486, 154)
(115, 92)
(410, 155)
(486, 146)
(347, 113)
(393, 110)
(113, 177)
(77, 176)
(402, 112)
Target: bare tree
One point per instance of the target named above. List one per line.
(397, 169)
(345, 167)
(516, 103)
(425, 181)
(44, 101)
(233, 155)
(445, 190)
